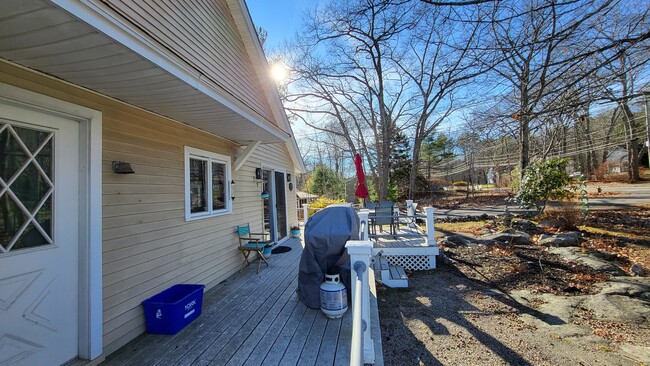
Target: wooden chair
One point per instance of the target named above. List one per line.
(251, 242)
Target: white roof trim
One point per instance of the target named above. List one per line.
(103, 19)
(258, 59)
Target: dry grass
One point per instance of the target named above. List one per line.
(462, 227)
(610, 232)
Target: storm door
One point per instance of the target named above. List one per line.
(39, 247)
(275, 204)
(280, 205)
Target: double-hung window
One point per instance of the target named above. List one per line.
(207, 184)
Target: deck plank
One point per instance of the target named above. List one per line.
(312, 346)
(294, 349)
(254, 331)
(211, 345)
(243, 323)
(284, 337)
(250, 319)
(327, 351)
(344, 344)
(260, 334)
(263, 348)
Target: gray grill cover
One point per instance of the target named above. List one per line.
(325, 236)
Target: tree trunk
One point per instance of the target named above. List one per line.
(413, 177)
(632, 145)
(524, 145)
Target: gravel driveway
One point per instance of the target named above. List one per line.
(444, 318)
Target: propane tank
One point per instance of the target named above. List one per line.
(333, 297)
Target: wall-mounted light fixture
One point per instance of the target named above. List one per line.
(122, 167)
(288, 177)
(232, 189)
(258, 173)
(290, 186)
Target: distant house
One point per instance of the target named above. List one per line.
(616, 161)
(305, 198)
(176, 93)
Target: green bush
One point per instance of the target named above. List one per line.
(542, 182)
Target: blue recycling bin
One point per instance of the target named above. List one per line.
(171, 310)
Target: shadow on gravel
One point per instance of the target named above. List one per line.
(502, 295)
(436, 301)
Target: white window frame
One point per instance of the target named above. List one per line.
(210, 157)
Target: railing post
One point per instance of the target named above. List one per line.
(361, 251)
(431, 240)
(305, 212)
(410, 211)
(363, 217)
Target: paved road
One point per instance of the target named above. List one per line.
(627, 196)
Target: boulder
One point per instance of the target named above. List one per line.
(508, 237)
(550, 222)
(626, 286)
(618, 308)
(570, 239)
(589, 259)
(526, 226)
(637, 269)
(453, 241)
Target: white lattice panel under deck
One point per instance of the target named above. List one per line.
(412, 262)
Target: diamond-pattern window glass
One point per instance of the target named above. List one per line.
(12, 219)
(31, 138)
(30, 238)
(12, 155)
(30, 187)
(44, 216)
(44, 159)
(26, 204)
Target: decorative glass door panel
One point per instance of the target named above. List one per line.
(26, 186)
(39, 236)
(267, 198)
(280, 205)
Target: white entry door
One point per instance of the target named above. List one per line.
(39, 233)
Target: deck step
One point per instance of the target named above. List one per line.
(391, 275)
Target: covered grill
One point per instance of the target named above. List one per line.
(325, 236)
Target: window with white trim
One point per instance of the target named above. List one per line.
(207, 184)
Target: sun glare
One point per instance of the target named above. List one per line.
(279, 72)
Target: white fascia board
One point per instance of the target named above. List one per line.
(100, 17)
(261, 66)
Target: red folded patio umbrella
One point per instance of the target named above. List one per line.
(362, 189)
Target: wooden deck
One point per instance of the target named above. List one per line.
(254, 319)
(407, 237)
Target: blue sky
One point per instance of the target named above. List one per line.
(281, 18)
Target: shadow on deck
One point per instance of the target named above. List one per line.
(254, 319)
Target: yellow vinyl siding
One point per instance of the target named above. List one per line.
(202, 33)
(147, 245)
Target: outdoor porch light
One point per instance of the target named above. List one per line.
(232, 189)
(122, 167)
(288, 177)
(258, 173)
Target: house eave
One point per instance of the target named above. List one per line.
(110, 50)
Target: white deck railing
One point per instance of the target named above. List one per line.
(362, 350)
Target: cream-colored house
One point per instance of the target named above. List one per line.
(179, 90)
